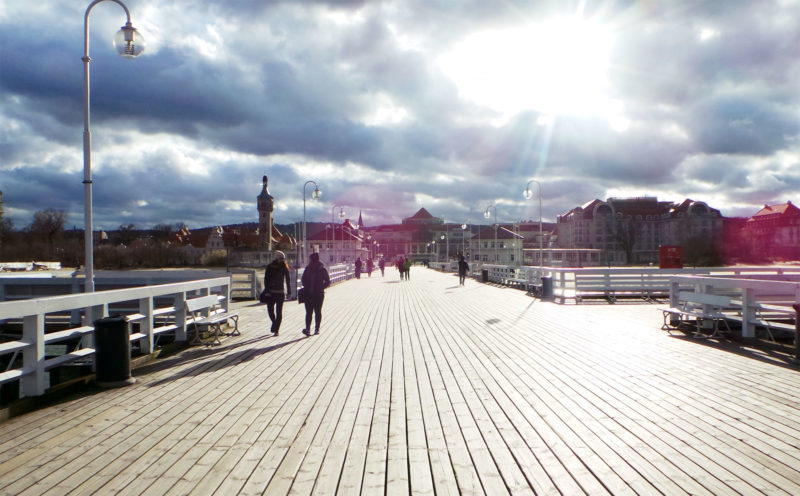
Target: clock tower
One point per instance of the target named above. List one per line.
(265, 205)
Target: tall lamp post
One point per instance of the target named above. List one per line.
(129, 43)
(488, 215)
(464, 240)
(316, 194)
(446, 239)
(528, 194)
(341, 216)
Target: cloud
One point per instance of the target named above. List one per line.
(700, 100)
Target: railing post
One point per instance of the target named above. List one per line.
(796, 307)
(748, 302)
(146, 324)
(33, 382)
(180, 316)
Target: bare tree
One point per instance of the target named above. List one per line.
(49, 224)
(627, 232)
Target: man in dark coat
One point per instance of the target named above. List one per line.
(315, 279)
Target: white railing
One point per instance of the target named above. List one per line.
(610, 283)
(92, 306)
(749, 295)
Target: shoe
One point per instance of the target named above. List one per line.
(274, 333)
(305, 331)
(316, 331)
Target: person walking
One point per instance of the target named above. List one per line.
(315, 279)
(370, 267)
(358, 268)
(275, 275)
(407, 268)
(463, 268)
(382, 265)
(400, 268)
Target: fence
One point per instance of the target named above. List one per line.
(648, 283)
(142, 310)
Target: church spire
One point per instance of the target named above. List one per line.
(360, 220)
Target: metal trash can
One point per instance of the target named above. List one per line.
(485, 275)
(547, 288)
(112, 356)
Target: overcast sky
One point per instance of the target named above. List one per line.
(395, 105)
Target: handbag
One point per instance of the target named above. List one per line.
(265, 296)
(301, 295)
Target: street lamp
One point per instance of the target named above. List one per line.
(316, 194)
(488, 215)
(528, 194)
(129, 43)
(464, 239)
(435, 250)
(446, 239)
(341, 216)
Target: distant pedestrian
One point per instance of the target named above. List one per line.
(407, 268)
(315, 279)
(400, 268)
(275, 275)
(463, 268)
(370, 267)
(358, 268)
(382, 265)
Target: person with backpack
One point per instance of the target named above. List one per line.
(315, 279)
(274, 276)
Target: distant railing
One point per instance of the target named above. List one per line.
(33, 313)
(611, 283)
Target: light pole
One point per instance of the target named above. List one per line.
(436, 252)
(488, 215)
(528, 194)
(316, 194)
(464, 240)
(129, 43)
(341, 216)
(446, 239)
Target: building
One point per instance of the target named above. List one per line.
(342, 243)
(774, 231)
(630, 230)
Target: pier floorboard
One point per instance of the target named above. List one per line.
(428, 387)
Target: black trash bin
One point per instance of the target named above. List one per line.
(547, 288)
(112, 352)
(485, 275)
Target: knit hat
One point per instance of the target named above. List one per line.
(277, 255)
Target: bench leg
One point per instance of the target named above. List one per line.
(235, 331)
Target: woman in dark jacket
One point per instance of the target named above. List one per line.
(315, 279)
(274, 276)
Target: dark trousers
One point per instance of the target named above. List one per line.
(314, 305)
(275, 311)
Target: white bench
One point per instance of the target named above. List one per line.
(698, 306)
(777, 316)
(216, 318)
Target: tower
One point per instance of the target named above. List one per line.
(265, 206)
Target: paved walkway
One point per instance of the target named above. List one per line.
(423, 386)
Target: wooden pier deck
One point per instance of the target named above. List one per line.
(426, 387)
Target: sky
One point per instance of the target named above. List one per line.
(391, 106)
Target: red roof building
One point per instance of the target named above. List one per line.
(774, 231)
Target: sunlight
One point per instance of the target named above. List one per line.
(558, 67)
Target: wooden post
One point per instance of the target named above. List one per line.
(796, 332)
